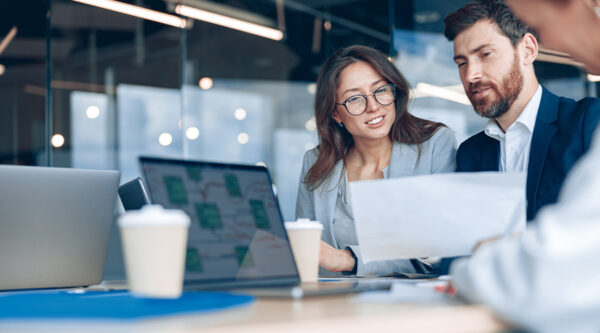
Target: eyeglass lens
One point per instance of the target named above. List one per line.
(358, 104)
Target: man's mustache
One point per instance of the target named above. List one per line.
(479, 86)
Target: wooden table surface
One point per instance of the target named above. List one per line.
(345, 313)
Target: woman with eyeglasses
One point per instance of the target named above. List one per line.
(365, 132)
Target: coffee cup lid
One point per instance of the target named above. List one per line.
(302, 224)
(154, 215)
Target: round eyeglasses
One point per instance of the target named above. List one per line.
(357, 104)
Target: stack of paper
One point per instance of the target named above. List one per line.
(442, 215)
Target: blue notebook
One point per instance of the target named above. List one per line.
(113, 305)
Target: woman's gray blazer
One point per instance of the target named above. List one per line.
(437, 156)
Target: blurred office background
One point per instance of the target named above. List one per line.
(86, 87)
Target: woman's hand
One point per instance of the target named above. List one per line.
(335, 260)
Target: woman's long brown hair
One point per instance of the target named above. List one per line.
(335, 141)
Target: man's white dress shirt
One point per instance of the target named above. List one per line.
(515, 144)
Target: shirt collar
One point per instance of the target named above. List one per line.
(529, 114)
(493, 130)
(526, 118)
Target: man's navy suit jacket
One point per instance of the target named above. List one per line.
(562, 134)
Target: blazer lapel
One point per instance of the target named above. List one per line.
(543, 133)
(327, 198)
(490, 155)
(403, 161)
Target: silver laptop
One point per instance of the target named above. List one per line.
(237, 237)
(54, 226)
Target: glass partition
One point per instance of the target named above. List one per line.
(22, 82)
(87, 87)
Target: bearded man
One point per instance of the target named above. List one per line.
(530, 129)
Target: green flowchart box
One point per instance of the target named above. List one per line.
(209, 216)
(193, 262)
(176, 190)
(260, 214)
(244, 257)
(233, 186)
(194, 173)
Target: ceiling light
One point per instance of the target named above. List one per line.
(229, 22)
(205, 83)
(311, 124)
(427, 16)
(593, 78)
(192, 133)
(242, 138)
(138, 11)
(240, 114)
(57, 140)
(8, 38)
(165, 139)
(92, 112)
(450, 93)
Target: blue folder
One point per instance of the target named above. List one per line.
(113, 305)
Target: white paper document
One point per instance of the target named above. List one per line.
(402, 292)
(441, 215)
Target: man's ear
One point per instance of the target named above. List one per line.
(529, 49)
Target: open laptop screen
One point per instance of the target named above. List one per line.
(237, 231)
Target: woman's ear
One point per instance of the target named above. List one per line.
(336, 117)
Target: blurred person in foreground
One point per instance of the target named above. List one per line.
(548, 279)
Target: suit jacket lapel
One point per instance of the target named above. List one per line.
(327, 200)
(490, 155)
(403, 160)
(543, 133)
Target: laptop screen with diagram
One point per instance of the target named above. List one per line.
(237, 232)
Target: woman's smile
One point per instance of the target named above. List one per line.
(375, 120)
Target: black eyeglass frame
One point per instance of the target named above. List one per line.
(394, 92)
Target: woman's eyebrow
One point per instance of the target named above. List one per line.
(378, 82)
(358, 90)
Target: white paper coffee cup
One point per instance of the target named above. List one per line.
(305, 239)
(154, 244)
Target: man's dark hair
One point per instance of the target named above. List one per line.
(493, 10)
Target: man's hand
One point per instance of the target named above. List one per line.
(446, 289)
(335, 260)
(485, 241)
(491, 240)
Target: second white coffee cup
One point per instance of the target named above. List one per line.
(305, 239)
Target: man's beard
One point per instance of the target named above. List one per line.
(512, 83)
